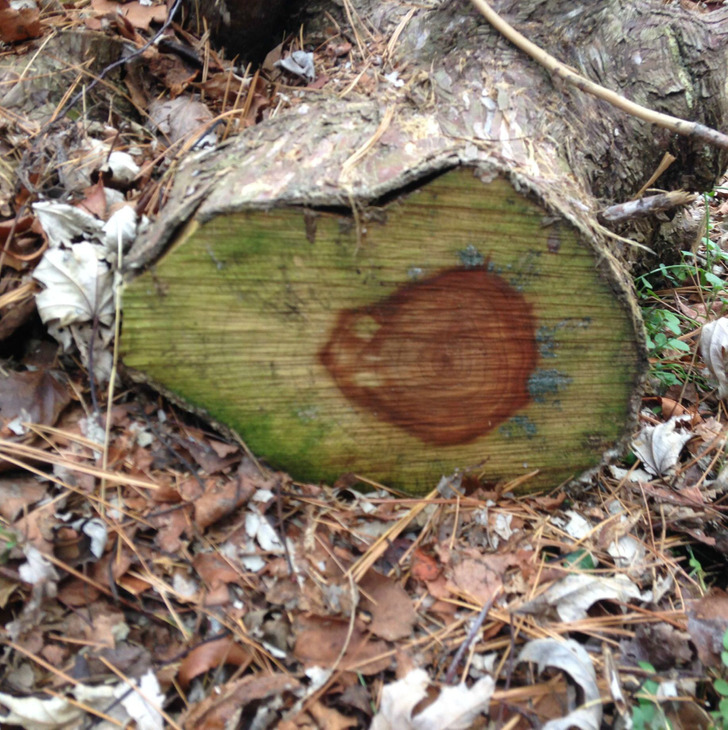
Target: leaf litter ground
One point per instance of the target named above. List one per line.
(156, 574)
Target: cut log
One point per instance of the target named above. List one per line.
(402, 292)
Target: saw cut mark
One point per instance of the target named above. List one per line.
(448, 358)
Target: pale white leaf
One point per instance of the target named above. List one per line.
(454, 709)
(258, 527)
(632, 475)
(575, 594)
(299, 63)
(37, 569)
(120, 228)
(572, 658)
(251, 562)
(659, 447)
(628, 553)
(184, 586)
(95, 530)
(49, 713)
(399, 699)
(34, 713)
(78, 286)
(714, 351)
(577, 526)
(122, 166)
(143, 704)
(64, 224)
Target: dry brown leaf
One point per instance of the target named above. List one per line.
(94, 201)
(214, 570)
(329, 718)
(174, 74)
(218, 708)
(319, 641)
(33, 396)
(393, 614)
(425, 567)
(76, 592)
(707, 624)
(221, 497)
(478, 576)
(171, 524)
(17, 493)
(19, 25)
(211, 655)
(179, 118)
(138, 15)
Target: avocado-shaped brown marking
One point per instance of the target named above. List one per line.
(447, 358)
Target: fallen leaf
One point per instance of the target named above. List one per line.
(572, 658)
(393, 614)
(218, 708)
(479, 576)
(659, 447)
(179, 118)
(142, 703)
(575, 594)
(221, 497)
(258, 527)
(19, 25)
(320, 639)
(37, 569)
(714, 351)
(30, 397)
(662, 645)
(454, 709)
(215, 570)
(65, 224)
(17, 493)
(78, 286)
(424, 567)
(210, 655)
(139, 14)
(329, 718)
(707, 624)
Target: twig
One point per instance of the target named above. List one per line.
(570, 77)
(643, 207)
(474, 629)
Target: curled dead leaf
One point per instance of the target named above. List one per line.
(714, 351)
(211, 655)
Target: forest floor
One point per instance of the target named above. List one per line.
(153, 572)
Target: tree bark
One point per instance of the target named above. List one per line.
(408, 286)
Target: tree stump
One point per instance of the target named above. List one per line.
(408, 287)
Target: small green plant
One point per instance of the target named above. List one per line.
(657, 321)
(8, 541)
(663, 329)
(697, 571)
(663, 326)
(720, 687)
(648, 714)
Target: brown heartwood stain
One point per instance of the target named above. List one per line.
(447, 359)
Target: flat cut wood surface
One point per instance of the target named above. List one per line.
(459, 328)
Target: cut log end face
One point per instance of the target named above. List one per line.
(463, 329)
(448, 359)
